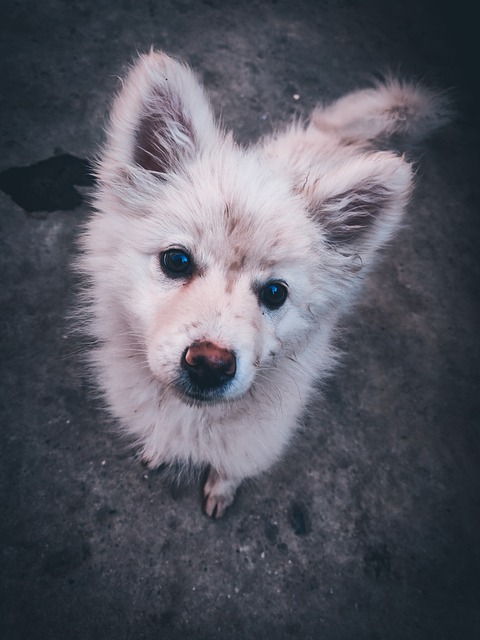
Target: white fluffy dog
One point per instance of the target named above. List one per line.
(216, 274)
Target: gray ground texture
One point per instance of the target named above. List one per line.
(368, 529)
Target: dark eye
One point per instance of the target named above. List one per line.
(176, 263)
(273, 295)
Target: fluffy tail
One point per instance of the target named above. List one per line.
(392, 109)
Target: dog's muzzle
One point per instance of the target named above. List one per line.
(207, 370)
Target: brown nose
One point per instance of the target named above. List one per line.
(209, 366)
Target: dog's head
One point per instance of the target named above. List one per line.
(209, 260)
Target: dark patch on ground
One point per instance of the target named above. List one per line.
(63, 562)
(299, 519)
(48, 185)
(271, 531)
(378, 560)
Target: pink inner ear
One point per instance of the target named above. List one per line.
(164, 134)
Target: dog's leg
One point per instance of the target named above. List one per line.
(219, 493)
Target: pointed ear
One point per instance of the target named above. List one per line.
(160, 118)
(360, 204)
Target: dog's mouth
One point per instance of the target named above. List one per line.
(193, 394)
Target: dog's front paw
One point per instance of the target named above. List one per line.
(219, 493)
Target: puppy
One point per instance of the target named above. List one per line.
(216, 274)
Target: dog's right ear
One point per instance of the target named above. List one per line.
(360, 203)
(160, 118)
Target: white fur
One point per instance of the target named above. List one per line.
(309, 206)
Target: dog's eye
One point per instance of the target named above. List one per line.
(176, 263)
(273, 295)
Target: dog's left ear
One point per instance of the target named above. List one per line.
(161, 117)
(360, 203)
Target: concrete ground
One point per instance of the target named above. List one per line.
(369, 529)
